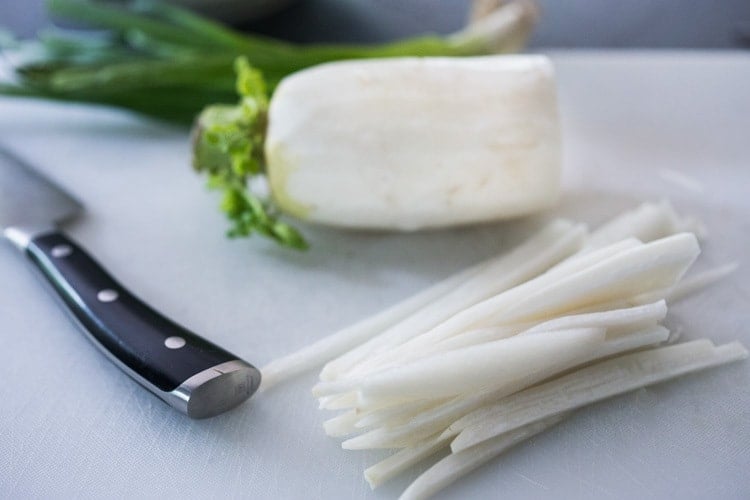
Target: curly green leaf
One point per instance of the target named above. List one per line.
(228, 147)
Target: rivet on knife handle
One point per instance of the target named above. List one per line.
(188, 372)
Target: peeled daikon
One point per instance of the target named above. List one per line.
(410, 143)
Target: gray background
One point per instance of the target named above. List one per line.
(572, 23)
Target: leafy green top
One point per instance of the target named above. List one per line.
(228, 147)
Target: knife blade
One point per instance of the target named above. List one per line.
(186, 371)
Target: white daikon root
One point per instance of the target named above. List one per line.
(441, 415)
(514, 344)
(341, 425)
(553, 243)
(629, 273)
(508, 361)
(524, 262)
(632, 317)
(316, 354)
(458, 464)
(534, 256)
(699, 281)
(648, 222)
(427, 343)
(484, 357)
(589, 385)
(393, 133)
(395, 415)
(402, 460)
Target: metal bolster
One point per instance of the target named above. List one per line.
(215, 390)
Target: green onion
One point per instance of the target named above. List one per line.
(150, 50)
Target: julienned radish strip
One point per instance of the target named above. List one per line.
(406, 457)
(632, 318)
(507, 361)
(480, 375)
(581, 260)
(352, 420)
(612, 320)
(402, 414)
(479, 413)
(341, 425)
(647, 222)
(607, 319)
(448, 374)
(543, 250)
(699, 281)
(314, 355)
(455, 465)
(461, 462)
(395, 415)
(327, 348)
(630, 341)
(634, 271)
(631, 272)
(615, 316)
(430, 342)
(441, 416)
(527, 364)
(552, 244)
(339, 401)
(475, 337)
(403, 459)
(589, 385)
(678, 247)
(523, 263)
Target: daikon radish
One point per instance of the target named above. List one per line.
(403, 459)
(586, 386)
(699, 281)
(421, 345)
(532, 257)
(395, 415)
(474, 337)
(439, 417)
(506, 361)
(513, 348)
(648, 222)
(339, 401)
(653, 265)
(333, 345)
(410, 143)
(606, 319)
(633, 271)
(341, 425)
(456, 465)
(614, 321)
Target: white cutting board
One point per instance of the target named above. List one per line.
(638, 126)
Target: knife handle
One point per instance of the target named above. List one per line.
(188, 372)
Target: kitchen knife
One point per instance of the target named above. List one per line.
(188, 372)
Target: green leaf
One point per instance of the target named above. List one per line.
(228, 147)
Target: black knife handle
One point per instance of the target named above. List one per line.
(190, 373)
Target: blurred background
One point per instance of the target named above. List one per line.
(697, 24)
